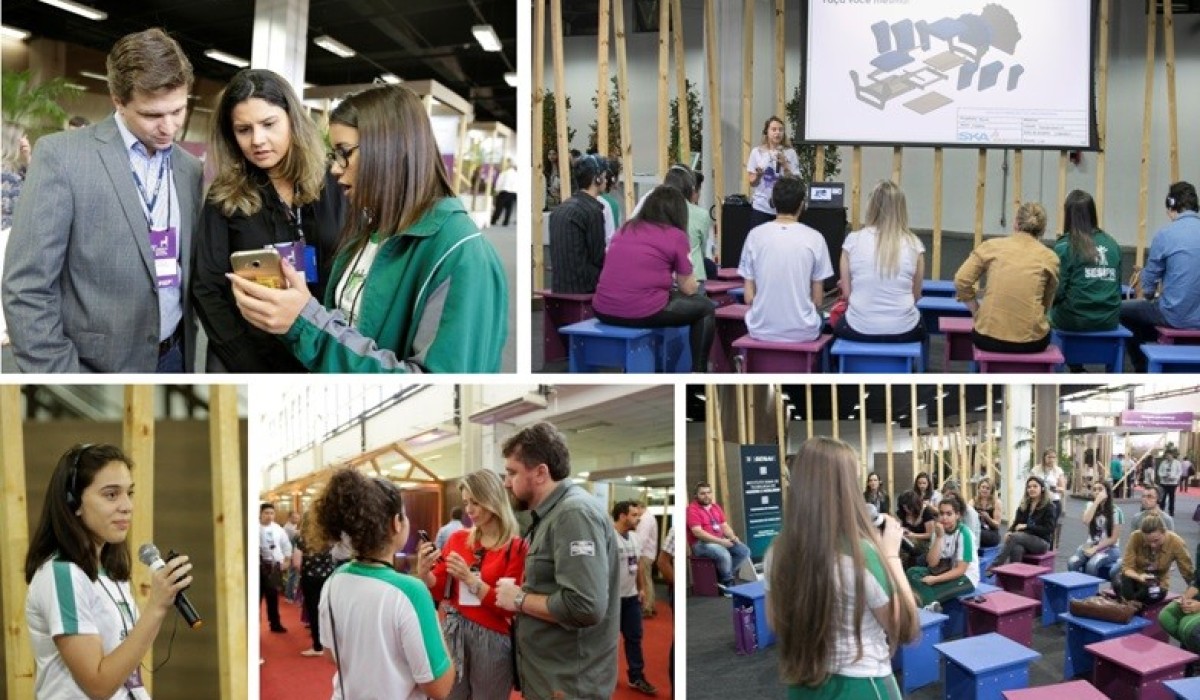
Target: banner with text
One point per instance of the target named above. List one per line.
(762, 496)
(1180, 420)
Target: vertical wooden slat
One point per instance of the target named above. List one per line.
(747, 79)
(14, 544)
(722, 472)
(138, 443)
(1018, 177)
(897, 164)
(780, 66)
(1147, 113)
(855, 186)
(539, 172)
(623, 103)
(229, 539)
(560, 101)
(916, 433)
(819, 164)
(714, 120)
(963, 441)
(833, 402)
(602, 79)
(1102, 112)
(664, 69)
(941, 441)
(1056, 208)
(862, 429)
(1172, 116)
(939, 163)
(681, 107)
(781, 423)
(751, 414)
(712, 444)
(980, 189)
(808, 408)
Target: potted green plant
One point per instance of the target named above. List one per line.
(34, 108)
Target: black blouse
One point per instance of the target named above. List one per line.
(240, 346)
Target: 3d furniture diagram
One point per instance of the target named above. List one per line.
(917, 56)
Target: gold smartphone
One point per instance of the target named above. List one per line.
(261, 266)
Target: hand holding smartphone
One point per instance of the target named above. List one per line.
(261, 266)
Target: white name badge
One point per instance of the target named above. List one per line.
(466, 597)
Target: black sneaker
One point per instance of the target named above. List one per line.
(642, 686)
(279, 629)
(724, 590)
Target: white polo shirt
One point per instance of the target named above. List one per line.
(784, 260)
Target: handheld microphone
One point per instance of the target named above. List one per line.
(148, 554)
(878, 519)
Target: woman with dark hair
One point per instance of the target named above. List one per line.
(647, 280)
(1032, 526)
(1103, 519)
(415, 286)
(955, 551)
(923, 487)
(769, 161)
(1089, 260)
(464, 575)
(918, 520)
(88, 636)
(837, 596)
(381, 625)
(271, 191)
(876, 496)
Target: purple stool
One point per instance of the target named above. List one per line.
(1134, 666)
(704, 576)
(1044, 362)
(731, 325)
(1076, 690)
(560, 310)
(763, 356)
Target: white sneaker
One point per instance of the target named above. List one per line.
(935, 607)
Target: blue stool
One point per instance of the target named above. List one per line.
(933, 308)
(1082, 631)
(1058, 590)
(987, 555)
(1094, 348)
(1184, 688)
(1170, 359)
(754, 595)
(883, 358)
(738, 294)
(675, 350)
(957, 624)
(593, 344)
(917, 662)
(937, 288)
(981, 667)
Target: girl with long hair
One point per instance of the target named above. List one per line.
(1103, 520)
(271, 189)
(953, 542)
(837, 596)
(415, 286)
(881, 270)
(1032, 526)
(1022, 278)
(923, 487)
(875, 495)
(88, 636)
(918, 520)
(1088, 297)
(773, 158)
(648, 281)
(464, 574)
(381, 625)
(987, 504)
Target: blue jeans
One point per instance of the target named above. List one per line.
(171, 361)
(729, 560)
(1082, 563)
(631, 632)
(1140, 317)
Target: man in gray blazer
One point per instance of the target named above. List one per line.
(96, 271)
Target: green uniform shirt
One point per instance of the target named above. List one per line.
(1089, 294)
(616, 207)
(698, 225)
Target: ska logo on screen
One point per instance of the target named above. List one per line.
(974, 136)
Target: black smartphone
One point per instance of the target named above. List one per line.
(423, 534)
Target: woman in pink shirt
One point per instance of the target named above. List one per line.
(647, 279)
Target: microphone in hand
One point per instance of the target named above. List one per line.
(149, 555)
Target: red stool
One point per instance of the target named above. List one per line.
(1150, 611)
(1043, 559)
(704, 576)
(1044, 362)
(731, 325)
(560, 310)
(1134, 666)
(764, 356)
(1022, 579)
(1177, 336)
(1004, 613)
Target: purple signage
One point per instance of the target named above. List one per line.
(1181, 420)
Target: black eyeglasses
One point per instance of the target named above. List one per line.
(340, 155)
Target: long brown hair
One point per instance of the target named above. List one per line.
(825, 519)
(400, 170)
(1029, 506)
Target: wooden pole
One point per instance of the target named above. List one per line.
(855, 186)
(539, 158)
(751, 414)
(747, 78)
(560, 101)
(1057, 210)
(138, 441)
(14, 544)
(980, 188)
(780, 66)
(819, 164)
(990, 428)
(833, 402)
(1018, 176)
(722, 472)
(1147, 113)
(939, 164)
(229, 538)
(781, 438)
(740, 399)
(897, 164)
(1172, 116)
(710, 424)
(941, 441)
(862, 427)
(1102, 111)
(808, 408)
(714, 110)
(664, 69)
(963, 442)
(916, 433)
(887, 431)
(602, 79)
(681, 106)
(623, 103)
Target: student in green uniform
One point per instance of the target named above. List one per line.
(1089, 284)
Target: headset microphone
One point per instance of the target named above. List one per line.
(148, 554)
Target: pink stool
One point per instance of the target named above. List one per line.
(1044, 362)
(718, 290)
(1043, 559)
(731, 325)
(762, 356)
(1177, 336)
(957, 330)
(1004, 613)
(1134, 666)
(1150, 612)
(729, 273)
(704, 576)
(560, 310)
(1022, 579)
(1076, 690)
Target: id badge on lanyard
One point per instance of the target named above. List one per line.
(302, 257)
(164, 242)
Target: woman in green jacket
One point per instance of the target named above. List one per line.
(415, 286)
(1089, 282)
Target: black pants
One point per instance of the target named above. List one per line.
(843, 330)
(1167, 502)
(267, 591)
(631, 632)
(757, 218)
(990, 344)
(1132, 589)
(503, 202)
(989, 538)
(696, 311)
(312, 605)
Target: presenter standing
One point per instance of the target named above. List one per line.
(769, 161)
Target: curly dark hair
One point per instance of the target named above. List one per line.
(360, 506)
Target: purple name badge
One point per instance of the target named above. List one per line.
(134, 681)
(294, 253)
(165, 245)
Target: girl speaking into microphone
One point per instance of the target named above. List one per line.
(88, 637)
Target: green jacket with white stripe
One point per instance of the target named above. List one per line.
(435, 300)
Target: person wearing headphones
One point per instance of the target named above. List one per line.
(577, 231)
(769, 161)
(1174, 260)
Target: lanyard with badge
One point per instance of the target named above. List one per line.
(164, 242)
(302, 256)
(125, 613)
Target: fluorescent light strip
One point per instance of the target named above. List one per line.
(13, 33)
(223, 57)
(333, 46)
(511, 79)
(486, 36)
(81, 10)
(93, 75)
(390, 79)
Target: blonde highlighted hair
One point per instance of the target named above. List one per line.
(486, 488)
(887, 211)
(1031, 219)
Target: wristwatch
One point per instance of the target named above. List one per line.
(519, 601)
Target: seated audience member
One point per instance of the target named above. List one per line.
(612, 172)
(647, 280)
(954, 551)
(785, 264)
(709, 535)
(1022, 276)
(923, 487)
(967, 513)
(1173, 261)
(918, 521)
(1144, 573)
(987, 505)
(876, 496)
(1032, 527)
(1181, 619)
(1089, 263)
(1103, 520)
(577, 232)
(1151, 495)
(881, 270)
(688, 182)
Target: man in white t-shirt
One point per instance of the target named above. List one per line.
(785, 264)
(626, 515)
(274, 555)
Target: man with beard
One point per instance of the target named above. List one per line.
(709, 535)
